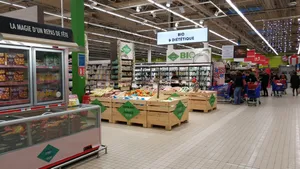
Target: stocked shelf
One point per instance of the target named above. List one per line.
(13, 67)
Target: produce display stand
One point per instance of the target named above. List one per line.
(106, 107)
(163, 112)
(134, 111)
(203, 101)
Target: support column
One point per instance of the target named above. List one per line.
(205, 44)
(149, 55)
(77, 16)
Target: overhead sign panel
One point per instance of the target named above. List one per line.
(182, 36)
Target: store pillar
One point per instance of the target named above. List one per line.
(149, 56)
(77, 15)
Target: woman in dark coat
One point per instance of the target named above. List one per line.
(295, 82)
(264, 83)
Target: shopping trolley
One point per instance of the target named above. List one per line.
(253, 93)
(278, 87)
(223, 92)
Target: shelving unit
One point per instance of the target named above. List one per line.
(144, 73)
(98, 74)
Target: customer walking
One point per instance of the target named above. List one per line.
(264, 83)
(295, 82)
(238, 84)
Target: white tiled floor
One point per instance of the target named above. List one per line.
(232, 137)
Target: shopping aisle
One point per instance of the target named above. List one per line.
(265, 137)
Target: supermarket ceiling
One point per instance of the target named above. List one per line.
(139, 21)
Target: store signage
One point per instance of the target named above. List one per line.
(212, 100)
(97, 102)
(126, 50)
(48, 153)
(179, 110)
(128, 110)
(227, 51)
(219, 73)
(32, 29)
(251, 53)
(240, 52)
(81, 64)
(182, 36)
(200, 55)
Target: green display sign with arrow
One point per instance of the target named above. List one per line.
(212, 100)
(128, 110)
(97, 102)
(48, 153)
(179, 110)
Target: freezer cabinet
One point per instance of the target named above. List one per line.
(50, 138)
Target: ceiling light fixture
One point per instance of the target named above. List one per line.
(153, 14)
(250, 24)
(93, 4)
(187, 19)
(182, 9)
(201, 22)
(299, 49)
(217, 13)
(168, 4)
(176, 24)
(138, 9)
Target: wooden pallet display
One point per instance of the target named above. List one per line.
(200, 101)
(161, 113)
(141, 118)
(106, 115)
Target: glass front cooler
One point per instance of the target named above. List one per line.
(49, 80)
(14, 77)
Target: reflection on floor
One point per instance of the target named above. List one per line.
(264, 137)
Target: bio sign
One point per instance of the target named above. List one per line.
(182, 36)
(189, 55)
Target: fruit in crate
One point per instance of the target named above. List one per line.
(140, 92)
(100, 92)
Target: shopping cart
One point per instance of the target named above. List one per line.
(253, 94)
(223, 92)
(278, 87)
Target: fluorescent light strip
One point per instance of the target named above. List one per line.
(185, 18)
(106, 27)
(112, 37)
(216, 53)
(299, 49)
(123, 17)
(214, 46)
(250, 24)
(93, 40)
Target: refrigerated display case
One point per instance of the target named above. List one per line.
(49, 81)
(15, 77)
(67, 131)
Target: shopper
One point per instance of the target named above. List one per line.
(174, 80)
(238, 84)
(295, 82)
(250, 77)
(264, 83)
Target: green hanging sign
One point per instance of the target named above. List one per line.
(97, 102)
(212, 100)
(48, 153)
(126, 49)
(128, 110)
(179, 110)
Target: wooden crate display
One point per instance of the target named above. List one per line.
(161, 113)
(204, 101)
(106, 115)
(141, 118)
(169, 93)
